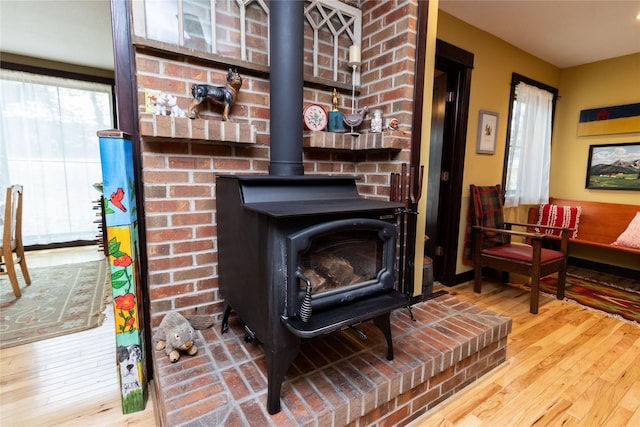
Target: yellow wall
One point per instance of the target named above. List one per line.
(494, 63)
(611, 82)
(599, 84)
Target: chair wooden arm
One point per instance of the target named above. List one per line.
(564, 237)
(546, 227)
(510, 232)
(486, 206)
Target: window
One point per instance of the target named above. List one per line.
(528, 151)
(49, 145)
(240, 30)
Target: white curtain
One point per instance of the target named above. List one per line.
(530, 147)
(49, 145)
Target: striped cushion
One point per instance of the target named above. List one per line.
(558, 216)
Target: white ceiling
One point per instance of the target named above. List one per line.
(72, 31)
(563, 32)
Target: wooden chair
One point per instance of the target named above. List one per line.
(492, 246)
(12, 239)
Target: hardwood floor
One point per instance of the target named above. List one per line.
(568, 365)
(73, 255)
(69, 380)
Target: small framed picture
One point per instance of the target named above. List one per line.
(487, 129)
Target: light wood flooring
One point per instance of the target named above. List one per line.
(568, 365)
(69, 380)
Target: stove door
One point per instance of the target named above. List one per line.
(336, 262)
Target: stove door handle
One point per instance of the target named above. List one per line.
(305, 307)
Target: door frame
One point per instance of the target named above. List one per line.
(458, 65)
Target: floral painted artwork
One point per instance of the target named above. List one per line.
(122, 234)
(122, 281)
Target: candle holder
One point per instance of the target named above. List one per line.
(354, 63)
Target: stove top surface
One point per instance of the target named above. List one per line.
(313, 207)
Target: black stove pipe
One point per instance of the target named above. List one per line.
(286, 21)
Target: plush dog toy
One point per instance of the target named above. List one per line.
(174, 335)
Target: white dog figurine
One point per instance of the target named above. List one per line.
(172, 105)
(168, 104)
(161, 104)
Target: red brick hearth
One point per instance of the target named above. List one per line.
(338, 379)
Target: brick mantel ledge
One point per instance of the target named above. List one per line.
(394, 141)
(195, 130)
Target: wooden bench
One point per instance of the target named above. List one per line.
(600, 224)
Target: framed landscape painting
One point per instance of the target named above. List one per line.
(614, 167)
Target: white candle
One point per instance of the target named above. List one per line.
(354, 55)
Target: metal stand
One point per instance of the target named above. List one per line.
(404, 189)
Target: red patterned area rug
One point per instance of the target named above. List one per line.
(601, 296)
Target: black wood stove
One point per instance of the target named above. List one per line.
(303, 256)
(300, 256)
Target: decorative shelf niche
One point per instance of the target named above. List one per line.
(153, 127)
(393, 141)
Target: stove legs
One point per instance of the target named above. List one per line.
(225, 320)
(278, 363)
(384, 324)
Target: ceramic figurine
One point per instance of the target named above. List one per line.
(376, 121)
(354, 120)
(220, 95)
(335, 116)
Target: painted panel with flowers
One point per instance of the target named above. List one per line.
(123, 248)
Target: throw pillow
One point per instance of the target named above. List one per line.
(558, 216)
(631, 236)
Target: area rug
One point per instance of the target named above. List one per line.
(601, 296)
(61, 300)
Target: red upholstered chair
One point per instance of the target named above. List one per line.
(492, 246)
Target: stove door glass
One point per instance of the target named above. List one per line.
(342, 260)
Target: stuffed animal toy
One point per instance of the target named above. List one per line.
(174, 335)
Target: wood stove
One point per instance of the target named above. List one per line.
(303, 256)
(300, 256)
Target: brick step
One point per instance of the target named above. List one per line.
(337, 379)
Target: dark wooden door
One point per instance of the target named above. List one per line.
(450, 110)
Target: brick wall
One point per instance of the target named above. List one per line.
(388, 53)
(179, 173)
